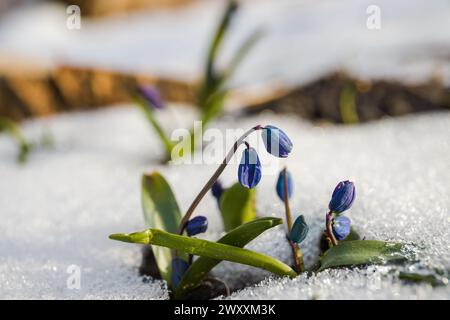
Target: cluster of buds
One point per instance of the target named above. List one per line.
(277, 143)
(338, 227)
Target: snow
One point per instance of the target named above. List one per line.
(59, 208)
(303, 40)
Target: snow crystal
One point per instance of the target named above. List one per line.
(58, 209)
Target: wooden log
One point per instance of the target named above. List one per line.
(68, 88)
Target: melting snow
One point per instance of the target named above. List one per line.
(58, 209)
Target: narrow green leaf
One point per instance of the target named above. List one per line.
(214, 105)
(237, 205)
(14, 131)
(208, 249)
(238, 237)
(161, 211)
(361, 252)
(210, 76)
(147, 110)
(431, 277)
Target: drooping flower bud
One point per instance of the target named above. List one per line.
(280, 185)
(276, 141)
(299, 230)
(196, 225)
(179, 268)
(249, 171)
(343, 197)
(151, 95)
(341, 227)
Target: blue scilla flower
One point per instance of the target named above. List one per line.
(276, 141)
(197, 225)
(217, 189)
(341, 227)
(299, 230)
(151, 95)
(343, 197)
(179, 268)
(280, 185)
(249, 171)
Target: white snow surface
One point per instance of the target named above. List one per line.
(303, 40)
(59, 208)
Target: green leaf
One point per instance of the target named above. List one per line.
(161, 211)
(353, 235)
(238, 237)
(237, 205)
(431, 277)
(14, 131)
(210, 80)
(147, 110)
(199, 247)
(361, 252)
(214, 106)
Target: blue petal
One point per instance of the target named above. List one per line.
(197, 225)
(343, 197)
(179, 268)
(341, 227)
(152, 96)
(217, 189)
(249, 171)
(276, 141)
(280, 185)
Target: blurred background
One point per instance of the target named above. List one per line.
(322, 60)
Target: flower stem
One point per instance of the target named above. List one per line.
(296, 252)
(329, 219)
(214, 178)
(168, 145)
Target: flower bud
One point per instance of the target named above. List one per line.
(341, 227)
(343, 197)
(276, 141)
(249, 171)
(299, 230)
(196, 225)
(280, 185)
(179, 268)
(151, 95)
(217, 189)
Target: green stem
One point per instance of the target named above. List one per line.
(329, 220)
(296, 251)
(168, 145)
(213, 179)
(207, 249)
